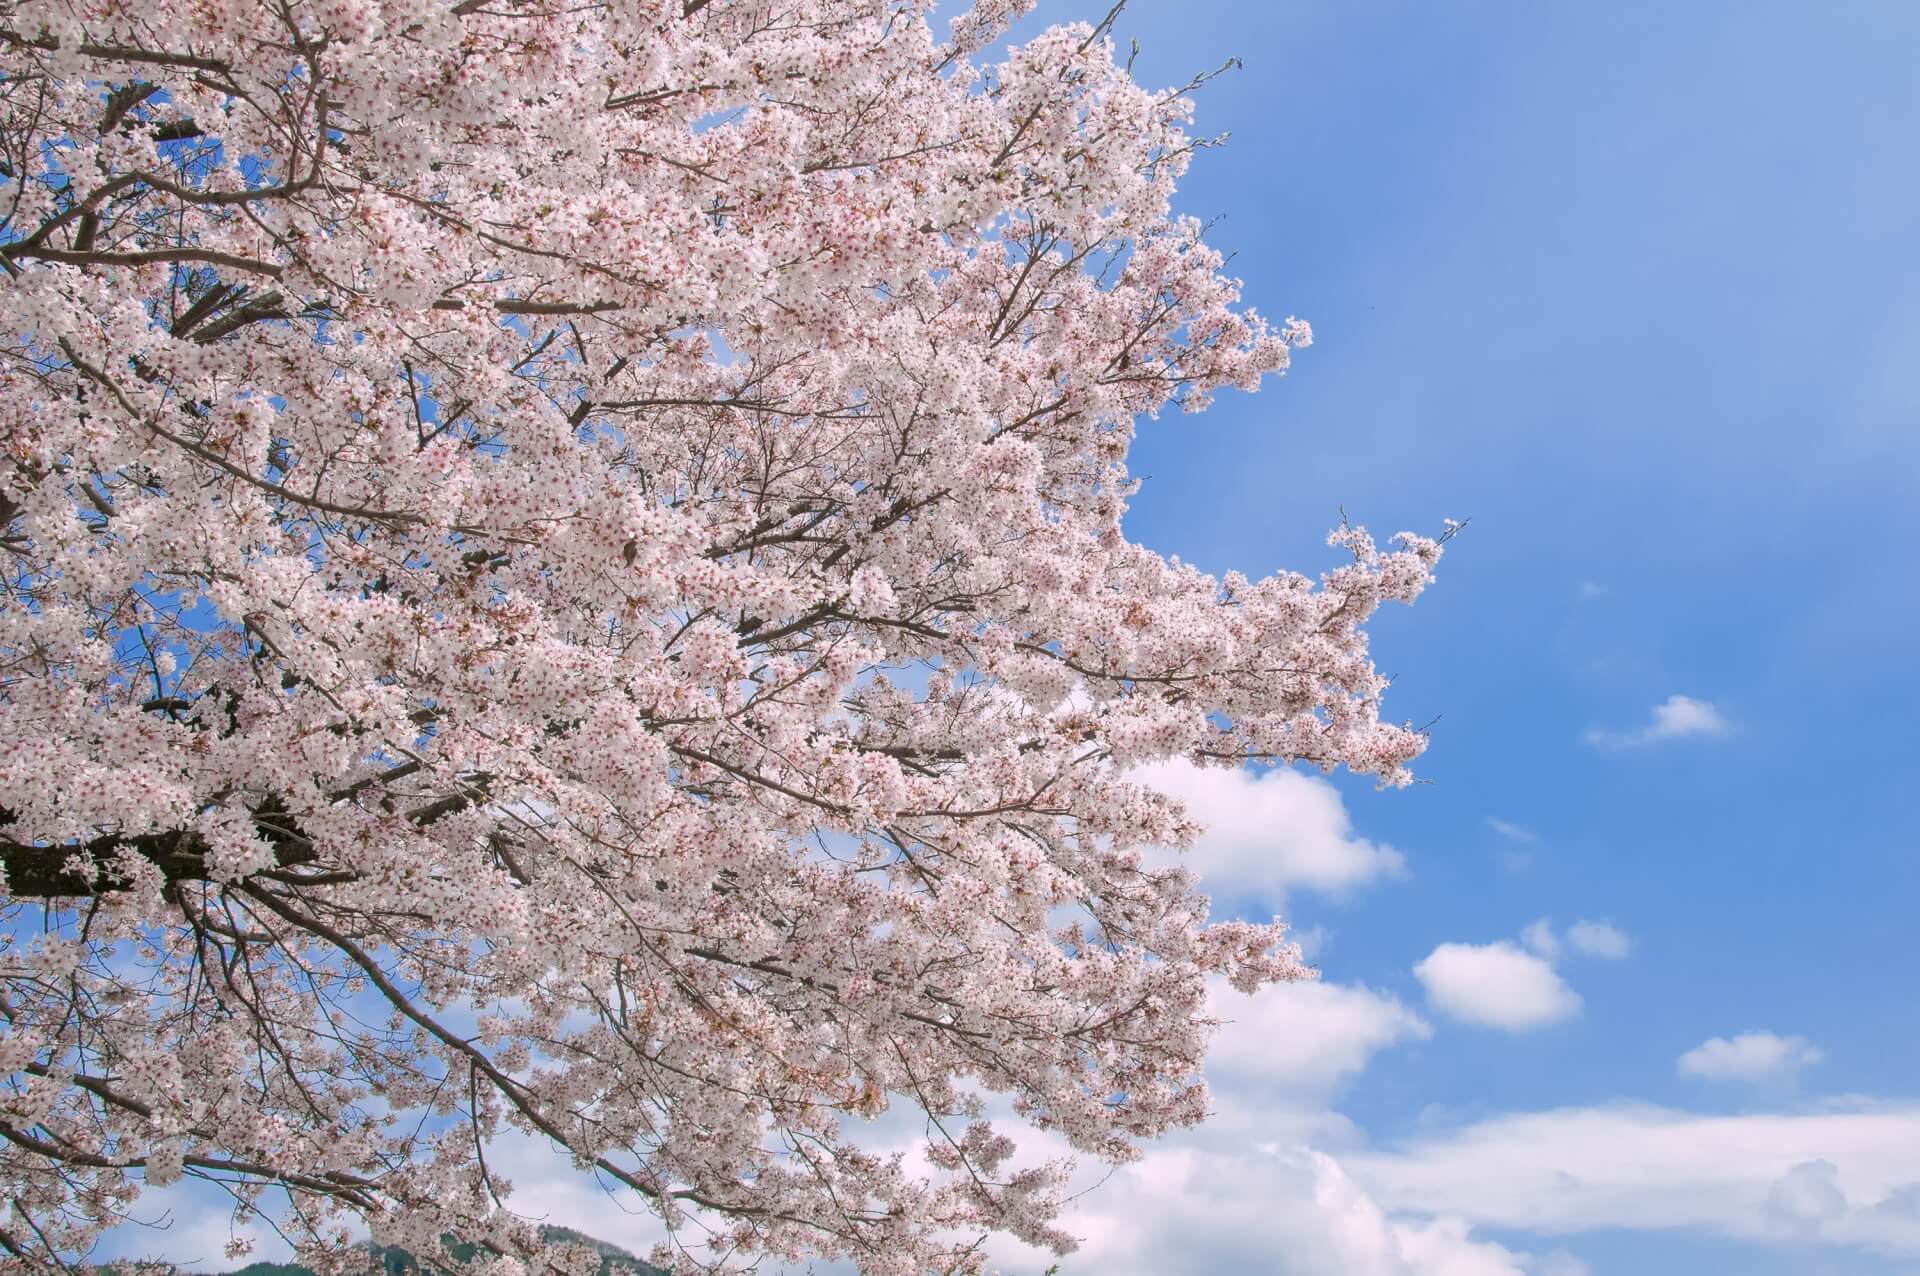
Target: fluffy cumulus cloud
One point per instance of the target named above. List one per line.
(1266, 1189)
(1279, 1183)
(1806, 1198)
(1246, 1186)
(1262, 1187)
(1500, 985)
(1302, 1037)
(1270, 833)
(1750, 1056)
(1840, 1175)
(1288, 1211)
(1675, 718)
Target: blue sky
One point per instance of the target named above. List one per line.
(1632, 286)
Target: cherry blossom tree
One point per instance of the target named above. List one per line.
(563, 574)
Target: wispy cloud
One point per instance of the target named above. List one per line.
(1675, 718)
(1600, 939)
(1515, 857)
(1512, 832)
(1750, 1056)
(1313, 941)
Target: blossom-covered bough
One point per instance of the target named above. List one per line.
(563, 574)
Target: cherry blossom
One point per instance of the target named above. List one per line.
(564, 573)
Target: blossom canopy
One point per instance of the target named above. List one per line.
(563, 573)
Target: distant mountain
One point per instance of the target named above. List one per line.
(393, 1261)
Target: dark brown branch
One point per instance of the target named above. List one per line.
(39, 872)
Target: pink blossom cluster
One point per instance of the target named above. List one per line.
(564, 573)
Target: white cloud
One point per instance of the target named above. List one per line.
(1279, 1210)
(1592, 589)
(1750, 1056)
(1517, 856)
(1512, 832)
(1838, 1176)
(1675, 718)
(1806, 1198)
(1267, 834)
(548, 1188)
(1250, 1174)
(1600, 939)
(1678, 716)
(1259, 1187)
(1286, 1189)
(1312, 942)
(1591, 939)
(188, 1223)
(1540, 938)
(1499, 984)
(1304, 1036)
